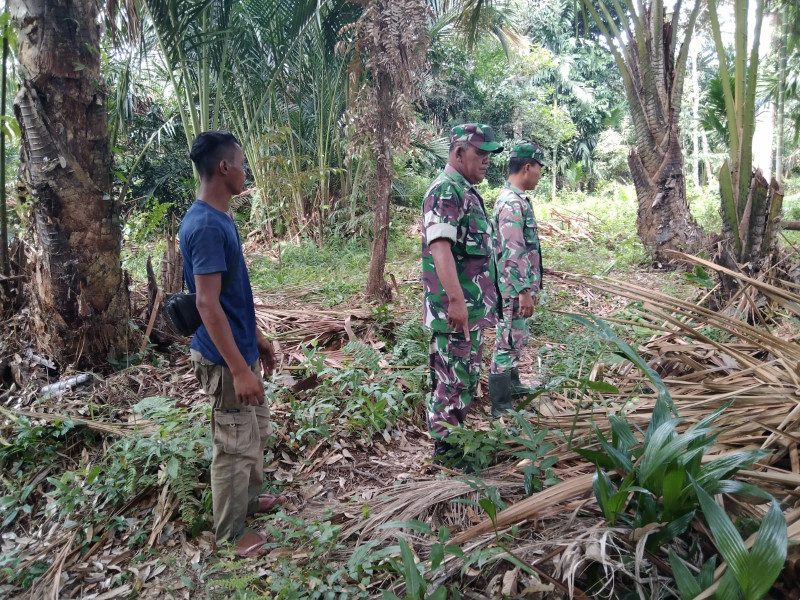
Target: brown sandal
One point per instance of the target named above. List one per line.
(251, 545)
(268, 502)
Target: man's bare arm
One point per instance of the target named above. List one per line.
(246, 384)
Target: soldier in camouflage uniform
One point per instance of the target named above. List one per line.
(519, 262)
(459, 278)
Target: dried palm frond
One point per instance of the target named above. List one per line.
(755, 370)
(548, 503)
(116, 429)
(425, 499)
(782, 296)
(565, 225)
(49, 585)
(329, 329)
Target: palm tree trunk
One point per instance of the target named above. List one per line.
(377, 288)
(695, 119)
(663, 220)
(750, 204)
(784, 34)
(78, 293)
(4, 267)
(653, 67)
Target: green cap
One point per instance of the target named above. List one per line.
(529, 150)
(479, 135)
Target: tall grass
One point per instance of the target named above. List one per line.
(338, 268)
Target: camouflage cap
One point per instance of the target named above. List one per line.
(529, 150)
(479, 135)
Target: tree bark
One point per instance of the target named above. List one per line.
(695, 119)
(663, 220)
(783, 28)
(4, 267)
(653, 69)
(78, 293)
(377, 288)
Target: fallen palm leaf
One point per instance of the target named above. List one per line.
(116, 429)
(754, 368)
(417, 498)
(548, 502)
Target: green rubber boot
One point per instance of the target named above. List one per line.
(500, 393)
(518, 389)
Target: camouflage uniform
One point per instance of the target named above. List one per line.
(454, 210)
(519, 262)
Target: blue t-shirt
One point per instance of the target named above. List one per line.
(210, 244)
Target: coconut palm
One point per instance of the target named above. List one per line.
(474, 19)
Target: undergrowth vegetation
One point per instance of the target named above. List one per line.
(312, 560)
(476, 450)
(655, 480)
(168, 447)
(336, 270)
(605, 243)
(89, 479)
(360, 399)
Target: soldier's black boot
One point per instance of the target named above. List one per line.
(500, 393)
(518, 389)
(440, 450)
(440, 457)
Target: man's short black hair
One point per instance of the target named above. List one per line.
(209, 148)
(515, 164)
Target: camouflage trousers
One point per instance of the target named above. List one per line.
(455, 366)
(512, 335)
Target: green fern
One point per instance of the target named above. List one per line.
(238, 583)
(153, 405)
(363, 356)
(184, 486)
(411, 346)
(131, 480)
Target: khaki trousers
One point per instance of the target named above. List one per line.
(239, 436)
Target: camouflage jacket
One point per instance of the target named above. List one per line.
(519, 255)
(454, 210)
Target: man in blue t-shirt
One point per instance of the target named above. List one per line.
(228, 352)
